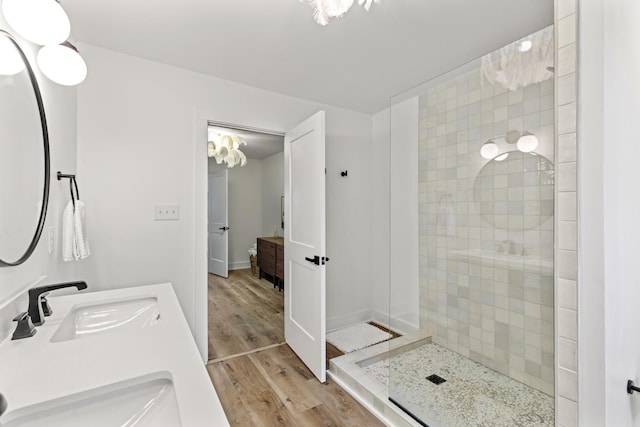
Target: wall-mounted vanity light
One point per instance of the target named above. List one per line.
(525, 141)
(45, 22)
(62, 63)
(39, 21)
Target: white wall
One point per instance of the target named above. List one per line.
(395, 216)
(272, 190)
(621, 209)
(380, 216)
(609, 235)
(138, 121)
(60, 110)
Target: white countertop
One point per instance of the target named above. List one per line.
(34, 370)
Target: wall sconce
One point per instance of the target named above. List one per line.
(41, 22)
(525, 142)
(62, 64)
(45, 22)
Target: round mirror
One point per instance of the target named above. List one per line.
(24, 156)
(515, 190)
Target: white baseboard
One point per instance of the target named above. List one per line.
(396, 324)
(399, 325)
(239, 265)
(342, 321)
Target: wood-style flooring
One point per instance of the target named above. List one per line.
(260, 381)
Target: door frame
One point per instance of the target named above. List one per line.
(202, 119)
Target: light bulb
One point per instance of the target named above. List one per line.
(489, 149)
(525, 45)
(62, 64)
(527, 142)
(10, 60)
(501, 157)
(39, 21)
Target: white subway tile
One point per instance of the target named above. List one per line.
(568, 354)
(567, 324)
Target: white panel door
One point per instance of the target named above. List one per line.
(304, 233)
(218, 237)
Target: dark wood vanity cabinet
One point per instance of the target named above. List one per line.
(271, 259)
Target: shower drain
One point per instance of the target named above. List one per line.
(437, 380)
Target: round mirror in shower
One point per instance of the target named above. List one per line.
(515, 190)
(24, 156)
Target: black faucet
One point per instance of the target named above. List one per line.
(36, 296)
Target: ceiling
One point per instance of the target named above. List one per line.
(259, 145)
(357, 62)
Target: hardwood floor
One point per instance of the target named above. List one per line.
(260, 381)
(245, 313)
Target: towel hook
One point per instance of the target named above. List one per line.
(72, 183)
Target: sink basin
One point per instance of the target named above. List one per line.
(88, 320)
(140, 402)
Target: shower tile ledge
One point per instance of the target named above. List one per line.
(348, 372)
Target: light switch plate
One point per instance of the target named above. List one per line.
(166, 212)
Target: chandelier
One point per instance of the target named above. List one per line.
(225, 148)
(325, 10)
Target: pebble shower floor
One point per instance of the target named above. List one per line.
(472, 394)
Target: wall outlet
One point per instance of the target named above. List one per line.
(166, 212)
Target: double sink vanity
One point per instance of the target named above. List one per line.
(122, 357)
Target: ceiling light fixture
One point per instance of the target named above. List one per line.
(325, 10)
(39, 21)
(225, 148)
(62, 64)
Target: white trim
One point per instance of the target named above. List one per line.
(239, 265)
(345, 320)
(396, 324)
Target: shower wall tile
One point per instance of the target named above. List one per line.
(568, 384)
(566, 30)
(566, 8)
(567, 324)
(567, 207)
(568, 354)
(479, 296)
(567, 235)
(565, 277)
(566, 89)
(567, 291)
(566, 60)
(567, 147)
(567, 118)
(566, 412)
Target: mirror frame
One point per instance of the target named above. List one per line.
(47, 160)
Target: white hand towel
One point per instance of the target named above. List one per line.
(75, 245)
(81, 247)
(67, 232)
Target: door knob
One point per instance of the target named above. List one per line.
(224, 228)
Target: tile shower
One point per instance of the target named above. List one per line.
(486, 246)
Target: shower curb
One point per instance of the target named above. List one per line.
(348, 372)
